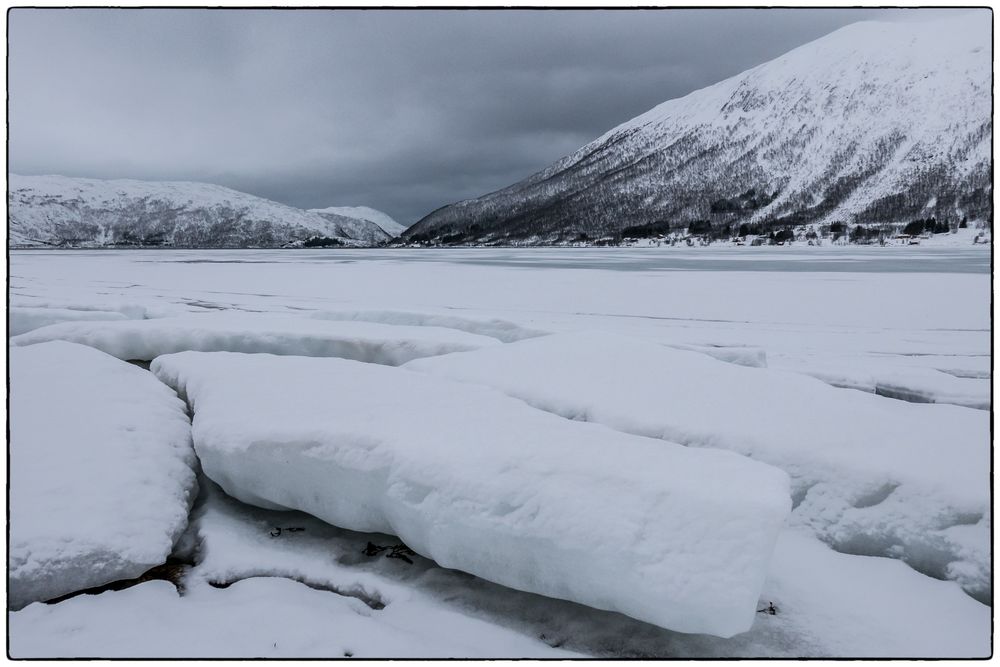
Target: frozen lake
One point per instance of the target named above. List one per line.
(836, 259)
(602, 335)
(909, 317)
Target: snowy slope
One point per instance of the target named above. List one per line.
(383, 220)
(62, 211)
(874, 122)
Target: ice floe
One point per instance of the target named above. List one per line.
(101, 475)
(250, 332)
(870, 475)
(483, 483)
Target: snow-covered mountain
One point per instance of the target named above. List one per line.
(876, 122)
(62, 211)
(383, 220)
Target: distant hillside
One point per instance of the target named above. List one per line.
(81, 212)
(876, 122)
(383, 220)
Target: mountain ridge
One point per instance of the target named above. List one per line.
(63, 211)
(873, 123)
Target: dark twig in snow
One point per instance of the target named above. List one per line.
(400, 551)
(769, 609)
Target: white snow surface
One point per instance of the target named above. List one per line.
(482, 483)
(856, 314)
(870, 474)
(383, 220)
(275, 334)
(432, 611)
(23, 319)
(101, 476)
(263, 617)
(904, 613)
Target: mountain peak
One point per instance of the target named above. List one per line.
(877, 122)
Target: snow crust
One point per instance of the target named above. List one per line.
(480, 482)
(251, 333)
(101, 476)
(870, 475)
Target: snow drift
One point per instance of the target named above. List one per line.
(101, 473)
(870, 475)
(275, 334)
(483, 483)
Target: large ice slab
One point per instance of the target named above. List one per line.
(814, 589)
(480, 482)
(274, 334)
(870, 475)
(101, 473)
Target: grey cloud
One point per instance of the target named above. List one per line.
(401, 110)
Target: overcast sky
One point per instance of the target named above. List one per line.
(404, 111)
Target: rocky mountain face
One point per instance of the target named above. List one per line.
(874, 123)
(79, 212)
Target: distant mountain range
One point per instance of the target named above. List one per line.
(81, 212)
(874, 123)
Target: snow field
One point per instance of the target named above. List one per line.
(101, 476)
(255, 333)
(482, 483)
(870, 475)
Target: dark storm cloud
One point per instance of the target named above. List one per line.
(401, 110)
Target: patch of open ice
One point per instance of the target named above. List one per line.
(480, 482)
(101, 473)
(870, 475)
(252, 333)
